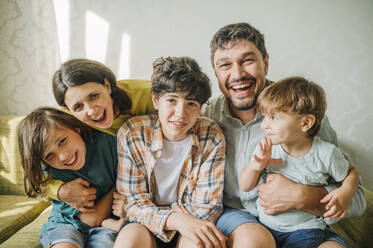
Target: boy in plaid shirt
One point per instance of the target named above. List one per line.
(171, 164)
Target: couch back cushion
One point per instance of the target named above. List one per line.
(11, 172)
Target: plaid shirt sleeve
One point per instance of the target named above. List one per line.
(207, 193)
(133, 181)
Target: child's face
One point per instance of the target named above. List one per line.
(65, 150)
(284, 128)
(177, 114)
(91, 103)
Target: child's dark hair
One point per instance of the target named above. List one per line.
(34, 133)
(77, 72)
(180, 74)
(297, 95)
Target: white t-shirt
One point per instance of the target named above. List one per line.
(167, 170)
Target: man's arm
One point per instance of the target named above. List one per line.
(280, 194)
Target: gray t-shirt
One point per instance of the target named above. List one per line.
(323, 162)
(241, 141)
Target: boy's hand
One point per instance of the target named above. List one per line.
(337, 205)
(265, 159)
(202, 233)
(119, 201)
(112, 224)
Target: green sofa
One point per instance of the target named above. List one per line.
(21, 218)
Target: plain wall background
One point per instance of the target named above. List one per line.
(327, 41)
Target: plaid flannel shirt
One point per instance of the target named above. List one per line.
(200, 187)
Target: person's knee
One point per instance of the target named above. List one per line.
(64, 245)
(251, 235)
(185, 243)
(134, 235)
(331, 244)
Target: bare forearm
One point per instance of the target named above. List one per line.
(351, 182)
(248, 178)
(102, 211)
(309, 199)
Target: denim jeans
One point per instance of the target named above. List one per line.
(95, 237)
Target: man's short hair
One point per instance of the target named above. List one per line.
(233, 32)
(295, 95)
(180, 74)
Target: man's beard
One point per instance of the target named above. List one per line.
(247, 106)
(244, 107)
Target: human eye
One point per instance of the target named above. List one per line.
(77, 107)
(224, 66)
(193, 104)
(94, 96)
(274, 117)
(248, 60)
(62, 141)
(171, 100)
(48, 157)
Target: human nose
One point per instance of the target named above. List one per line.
(62, 156)
(237, 72)
(264, 125)
(89, 109)
(180, 109)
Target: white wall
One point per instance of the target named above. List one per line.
(328, 41)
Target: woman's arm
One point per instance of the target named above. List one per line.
(76, 193)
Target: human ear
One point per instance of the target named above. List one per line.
(155, 100)
(107, 85)
(307, 122)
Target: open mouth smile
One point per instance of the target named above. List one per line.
(242, 86)
(99, 118)
(73, 159)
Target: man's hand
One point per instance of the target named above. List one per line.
(78, 194)
(280, 194)
(202, 233)
(119, 202)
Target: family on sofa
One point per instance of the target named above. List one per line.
(172, 176)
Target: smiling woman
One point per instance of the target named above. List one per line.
(90, 91)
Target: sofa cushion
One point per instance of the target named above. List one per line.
(357, 231)
(11, 172)
(16, 212)
(29, 235)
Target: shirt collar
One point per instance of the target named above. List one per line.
(157, 138)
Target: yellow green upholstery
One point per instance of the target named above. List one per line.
(358, 232)
(29, 235)
(11, 173)
(16, 212)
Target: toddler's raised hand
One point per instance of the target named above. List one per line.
(265, 159)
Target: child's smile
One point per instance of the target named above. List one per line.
(65, 149)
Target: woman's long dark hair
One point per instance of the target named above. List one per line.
(77, 72)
